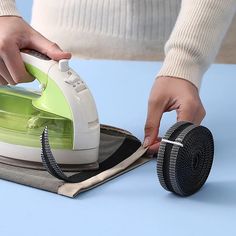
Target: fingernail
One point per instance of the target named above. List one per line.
(146, 142)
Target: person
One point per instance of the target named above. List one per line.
(190, 31)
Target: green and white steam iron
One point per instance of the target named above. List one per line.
(65, 106)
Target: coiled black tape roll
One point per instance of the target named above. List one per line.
(184, 167)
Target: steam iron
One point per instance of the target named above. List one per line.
(65, 106)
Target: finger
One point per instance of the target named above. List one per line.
(15, 65)
(155, 111)
(200, 114)
(3, 81)
(153, 149)
(197, 120)
(5, 74)
(45, 46)
(185, 114)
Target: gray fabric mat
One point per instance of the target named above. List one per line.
(111, 139)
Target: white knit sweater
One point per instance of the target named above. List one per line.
(191, 31)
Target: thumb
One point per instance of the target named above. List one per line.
(152, 124)
(45, 46)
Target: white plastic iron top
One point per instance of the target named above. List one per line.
(83, 113)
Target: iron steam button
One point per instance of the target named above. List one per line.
(64, 65)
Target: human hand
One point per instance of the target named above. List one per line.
(16, 34)
(167, 94)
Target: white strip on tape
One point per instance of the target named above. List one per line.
(172, 142)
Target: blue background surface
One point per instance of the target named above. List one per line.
(135, 204)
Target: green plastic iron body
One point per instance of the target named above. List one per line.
(65, 105)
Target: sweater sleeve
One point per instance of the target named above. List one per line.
(8, 8)
(196, 38)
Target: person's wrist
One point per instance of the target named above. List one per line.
(183, 81)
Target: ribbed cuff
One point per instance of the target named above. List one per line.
(180, 64)
(8, 8)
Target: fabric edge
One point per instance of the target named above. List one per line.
(71, 190)
(141, 161)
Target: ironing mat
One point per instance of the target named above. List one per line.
(119, 152)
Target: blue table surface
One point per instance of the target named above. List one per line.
(135, 203)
